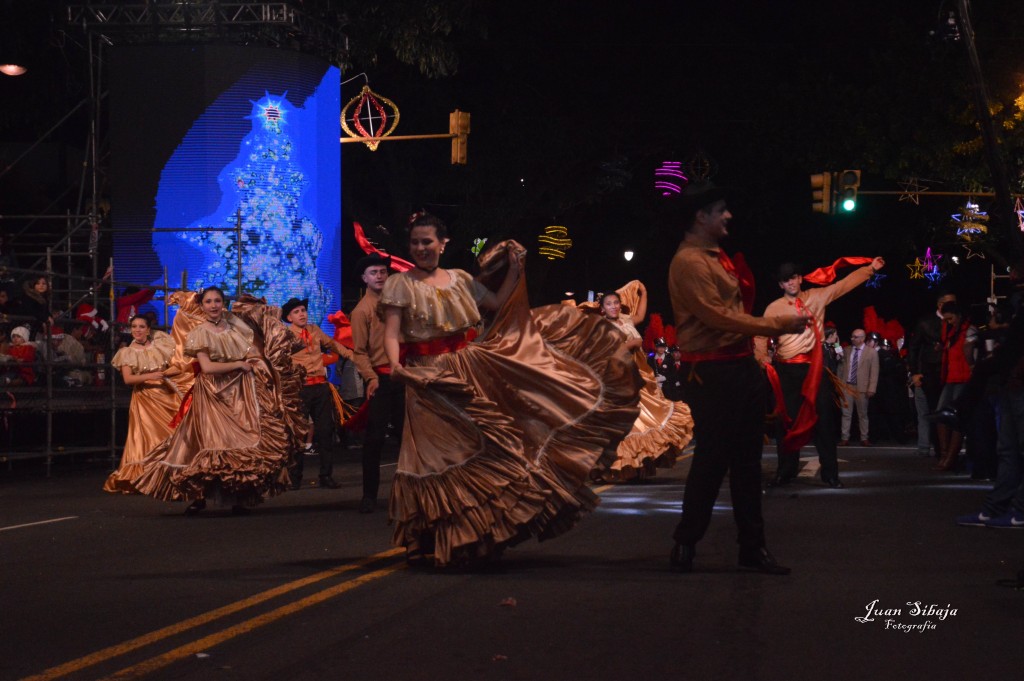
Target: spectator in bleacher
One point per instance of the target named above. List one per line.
(69, 352)
(21, 354)
(7, 305)
(35, 303)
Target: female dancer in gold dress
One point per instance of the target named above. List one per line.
(147, 364)
(500, 432)
(243, 423)
(664, 427)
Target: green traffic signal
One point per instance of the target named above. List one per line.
(849, 203)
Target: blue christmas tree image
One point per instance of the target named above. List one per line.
(280, 246)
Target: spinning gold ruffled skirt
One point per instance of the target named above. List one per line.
(500, 437)
(238, 435)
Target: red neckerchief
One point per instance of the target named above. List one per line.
(738, 268)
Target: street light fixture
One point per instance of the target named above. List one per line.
(628, 255)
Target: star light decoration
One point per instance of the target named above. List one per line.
(876, 280)
(1018, 208)
(970, 222)
(669, 178)
(912, 191)
(929, 268)
(366, 115)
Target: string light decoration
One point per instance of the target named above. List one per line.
(669, 178)
(554, 242)
(1018, 208)
(366, 115)
(970, 221)
(912, 191)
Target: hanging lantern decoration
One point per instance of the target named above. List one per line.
(554, 242)
(970, 222)
(669, 178)
(367, 115)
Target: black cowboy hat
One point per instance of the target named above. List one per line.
(293, 303)
(371, 260)
(699, 195)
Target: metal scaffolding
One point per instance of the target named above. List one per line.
(280, 24)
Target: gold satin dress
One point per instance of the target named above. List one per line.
(500, 436)
(662, 430)
(153, 406)
(241, 429)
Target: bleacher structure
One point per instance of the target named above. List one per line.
(71, 246)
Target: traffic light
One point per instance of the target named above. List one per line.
(458, 126)
(821, 186)
(849, 180)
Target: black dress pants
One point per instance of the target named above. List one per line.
(791, 378)
(727, 400)
(318, 404)
(386, 406)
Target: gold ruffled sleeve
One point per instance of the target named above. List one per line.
(429, 311)
(147, 360)
(227, 346)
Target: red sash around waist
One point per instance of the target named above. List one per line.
(316, 380)
(804, 358)
(437, 346)
(384, 369)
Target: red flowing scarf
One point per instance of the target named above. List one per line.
(826, 275)
(802, 429)
(364, 243)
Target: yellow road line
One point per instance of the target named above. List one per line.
(153, 664)
(199, 620)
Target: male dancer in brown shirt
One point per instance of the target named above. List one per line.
(317, 401)
(793, 360)
(724, 385)
(387, 398)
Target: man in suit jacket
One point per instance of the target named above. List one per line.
(859, 370)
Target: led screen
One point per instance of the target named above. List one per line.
(208, 139)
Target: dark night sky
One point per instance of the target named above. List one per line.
(575, 104)
(572, 111)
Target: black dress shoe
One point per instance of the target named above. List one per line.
(681, 558)
(762, 561)
(367, 505)
(780, 481)
(296, 484)
(834, 483)
(195, 507)
(327, 482)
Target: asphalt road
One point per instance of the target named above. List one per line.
(96, 586)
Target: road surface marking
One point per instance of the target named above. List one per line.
(41, 522)
(199, 620)
(159, 662)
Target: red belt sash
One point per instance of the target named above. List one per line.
(316, 380)
(383, 369)
(436, 346)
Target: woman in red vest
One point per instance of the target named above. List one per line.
(958, 340)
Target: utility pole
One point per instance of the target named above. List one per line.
(1007, 227)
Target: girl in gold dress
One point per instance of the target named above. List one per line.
(147, 364)
(243, 423)
(664, 427)
(501, 431)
